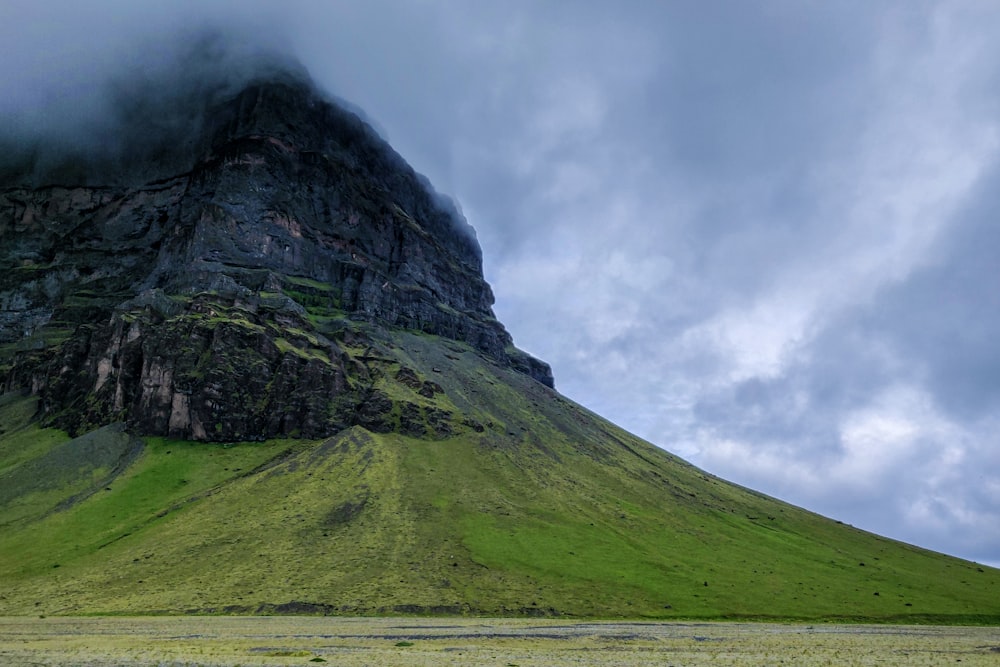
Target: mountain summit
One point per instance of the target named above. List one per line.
(208, 290)
(250, 366)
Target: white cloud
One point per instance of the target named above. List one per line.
(901, 429)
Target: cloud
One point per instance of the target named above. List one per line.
(817, 329)
(86, 98)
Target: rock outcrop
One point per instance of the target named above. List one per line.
(221, 286)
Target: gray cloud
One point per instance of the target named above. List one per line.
(758, 235)
(78, 121)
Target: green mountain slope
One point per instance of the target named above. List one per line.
(480, 491)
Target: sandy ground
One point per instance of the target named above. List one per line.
(246, 641)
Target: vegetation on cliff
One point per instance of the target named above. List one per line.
(476, 491)
(258, 371)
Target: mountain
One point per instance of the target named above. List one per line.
(217, 302)
(250, 365)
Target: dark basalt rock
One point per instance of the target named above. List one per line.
(213, 290)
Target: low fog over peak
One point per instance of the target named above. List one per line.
(148, 106)
(757, 235)
(139, 110)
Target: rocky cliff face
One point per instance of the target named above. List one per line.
(223, 286)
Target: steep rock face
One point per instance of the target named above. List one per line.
(221, 289)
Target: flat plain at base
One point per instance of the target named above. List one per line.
(245, 641)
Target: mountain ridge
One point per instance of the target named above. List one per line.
(259, 372)
(291, 220)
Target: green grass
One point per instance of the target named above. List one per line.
(307, 353)
(167, 476)
(309, 282)
(20, 440)
(533, 506)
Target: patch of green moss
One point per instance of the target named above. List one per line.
(310, 283)
(309, 300)
(308, 353)
(445, 308)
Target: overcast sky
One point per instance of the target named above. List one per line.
(761, 235)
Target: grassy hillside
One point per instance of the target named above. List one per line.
(487, 493)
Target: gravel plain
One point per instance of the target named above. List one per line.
(251, 641)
